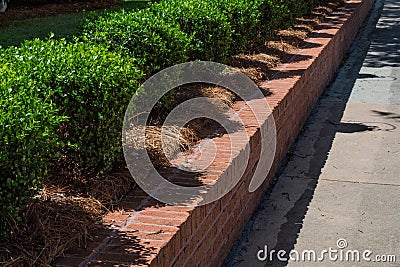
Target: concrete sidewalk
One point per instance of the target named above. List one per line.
(341, 187)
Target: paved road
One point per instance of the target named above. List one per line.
(343, 179)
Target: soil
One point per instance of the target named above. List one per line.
(29, 10)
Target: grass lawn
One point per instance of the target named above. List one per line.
(14, 33)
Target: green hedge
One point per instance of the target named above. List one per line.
(61, 102)
(27, 137)
(205, 21)
(91, 86)
(282, 13)
(142, 35)
(167, 33)
(245, 18)
(173, 31)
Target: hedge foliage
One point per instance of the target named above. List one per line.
(202, 19)
(173, 31)
(282, 13)
(245, 20)
(27, 139)
(64, 101)
(60, 102)
(142, 35)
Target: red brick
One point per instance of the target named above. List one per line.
(159, 221)
(151, 228)
(164, 214)
(68, 261)
(128, 257)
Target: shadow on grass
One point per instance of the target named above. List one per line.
(15, 32)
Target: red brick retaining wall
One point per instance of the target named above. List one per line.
(145, 232)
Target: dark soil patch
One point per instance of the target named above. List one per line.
(29, 10)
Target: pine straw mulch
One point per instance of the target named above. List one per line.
(55, 222)
(21, 10)
(259, 61)
(64, 215)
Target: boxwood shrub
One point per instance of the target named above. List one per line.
(202, 19)
(278, 14)
(140, 34)
(92, 87)
(166, 33)
(61, 102)
(244, 17)
(28, 141)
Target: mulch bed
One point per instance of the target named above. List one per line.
(26, 10)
